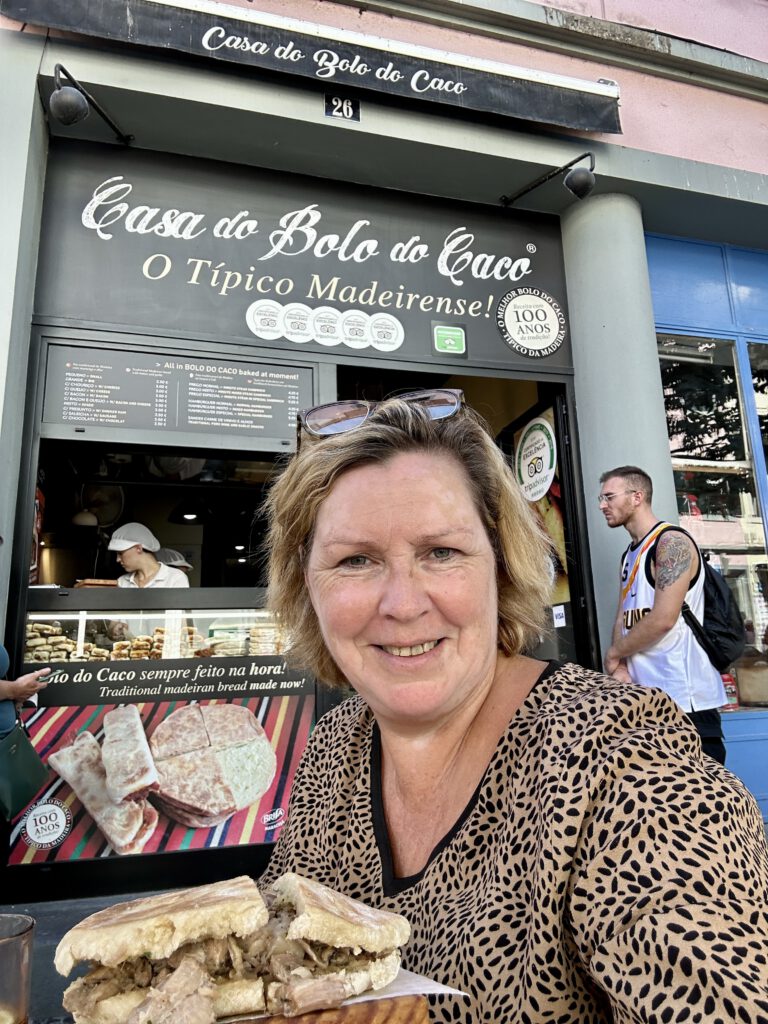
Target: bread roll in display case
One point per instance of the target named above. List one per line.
(172, 730)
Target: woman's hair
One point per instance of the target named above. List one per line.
(521, 547)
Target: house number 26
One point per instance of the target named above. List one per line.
(343, 108)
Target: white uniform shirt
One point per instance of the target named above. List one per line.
(676, 663)
(166, 576)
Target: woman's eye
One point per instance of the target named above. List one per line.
(442, 554)
(355, 561)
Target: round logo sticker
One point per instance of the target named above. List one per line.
(355, 329)
(297, 323)
(327, 326)
(265, 319)
(531, 322)
(46, 825)
(387, 333)
(536, 459)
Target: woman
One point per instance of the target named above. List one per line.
(561, 848)
(13, 692)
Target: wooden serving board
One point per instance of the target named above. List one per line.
(402, 1010)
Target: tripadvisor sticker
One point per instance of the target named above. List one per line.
(531, 322)
(536, 459)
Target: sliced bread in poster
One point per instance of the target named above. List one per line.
(127, 825)
(201, 786)
(180, 733)
(128, 764)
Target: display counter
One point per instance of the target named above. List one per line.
(171, 728)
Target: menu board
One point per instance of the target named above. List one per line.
(188, 394)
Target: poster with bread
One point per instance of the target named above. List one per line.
(159, 755)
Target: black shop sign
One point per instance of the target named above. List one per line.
(335, 57)
(288, 263)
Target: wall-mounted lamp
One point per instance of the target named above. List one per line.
(70, 104)
(580, 181)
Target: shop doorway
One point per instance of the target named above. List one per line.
(205, 503)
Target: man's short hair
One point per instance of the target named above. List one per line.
(635, 478)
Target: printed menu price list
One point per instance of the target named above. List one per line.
(221, 402)
(115, 388)
(161, 403)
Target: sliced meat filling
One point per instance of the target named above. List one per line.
(303, 976)
(184, 997)
(219, 959)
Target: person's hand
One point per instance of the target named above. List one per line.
(611, 661)
(622, 673)
(26, 686)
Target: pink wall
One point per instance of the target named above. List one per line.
(658, 115)
(740, 26)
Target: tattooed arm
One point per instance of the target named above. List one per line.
(676, 564)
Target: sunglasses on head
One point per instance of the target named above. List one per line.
(341, 417)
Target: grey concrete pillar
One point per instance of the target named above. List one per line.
(619, 402)
(23, 156)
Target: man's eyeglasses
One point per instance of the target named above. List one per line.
(606, 499)
(341, 417)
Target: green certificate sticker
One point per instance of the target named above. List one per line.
(450, 339)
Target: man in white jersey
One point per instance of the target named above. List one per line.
(660, 570)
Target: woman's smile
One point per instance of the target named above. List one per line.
(411, 650)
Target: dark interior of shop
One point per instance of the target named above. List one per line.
(201, 503)
(204, 502)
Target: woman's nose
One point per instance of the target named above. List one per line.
(404, 596)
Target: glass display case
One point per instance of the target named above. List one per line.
(170, 726)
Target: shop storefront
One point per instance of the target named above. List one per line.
(199, 308)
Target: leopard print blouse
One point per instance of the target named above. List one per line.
(604, 870)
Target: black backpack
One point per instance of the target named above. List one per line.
(721, 634)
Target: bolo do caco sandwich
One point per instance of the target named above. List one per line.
(197, 955)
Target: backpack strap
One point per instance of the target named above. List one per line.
(652, 556)
(648, 542)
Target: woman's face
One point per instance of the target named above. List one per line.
(402, 578)
(130, 559)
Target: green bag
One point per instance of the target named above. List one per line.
(22, 772)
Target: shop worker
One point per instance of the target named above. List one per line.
(136, 546)
(169, 556)
(660, 570)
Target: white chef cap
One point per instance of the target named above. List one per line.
(133, 533)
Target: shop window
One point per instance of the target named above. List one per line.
(715, 484)
(203, 505)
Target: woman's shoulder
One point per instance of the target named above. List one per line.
(344, 722)
(580, 703)
(571, 682)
